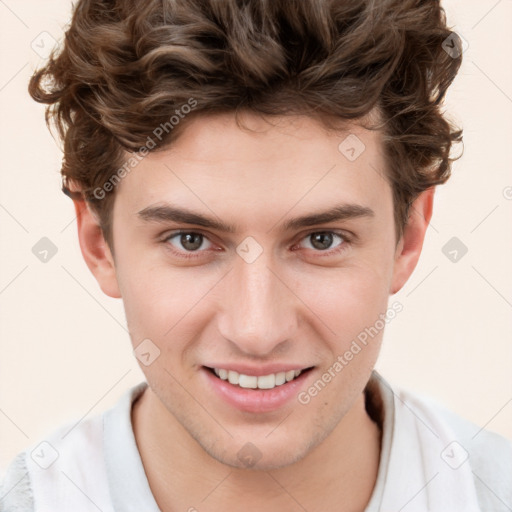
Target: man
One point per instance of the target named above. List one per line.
(254, 179)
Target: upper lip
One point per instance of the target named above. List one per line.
(257, 371)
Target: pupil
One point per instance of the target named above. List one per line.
(187, 240)
(322, 241)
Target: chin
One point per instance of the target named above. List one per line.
(262, 454)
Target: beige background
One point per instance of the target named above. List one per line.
(64, 350)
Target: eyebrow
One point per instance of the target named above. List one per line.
(168, 213)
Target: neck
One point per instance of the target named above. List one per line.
(338, 474)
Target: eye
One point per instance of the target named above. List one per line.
(324, 241)
(188, 241)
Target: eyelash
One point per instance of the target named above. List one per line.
(347, 240)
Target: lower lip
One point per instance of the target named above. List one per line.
(256, 400)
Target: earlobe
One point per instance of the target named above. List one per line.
(95, 250)
(409, 248)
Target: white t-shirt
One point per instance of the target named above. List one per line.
(431, 460)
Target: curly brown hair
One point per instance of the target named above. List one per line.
(127, 67)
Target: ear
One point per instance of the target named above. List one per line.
(95, 250)
(409, 248)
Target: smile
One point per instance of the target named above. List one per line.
(256, 382)
(261, 393)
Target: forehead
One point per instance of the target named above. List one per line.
(263, 167)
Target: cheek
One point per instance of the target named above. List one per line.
(347, 299)
(160, 303)
(353, 303)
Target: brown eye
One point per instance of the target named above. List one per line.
(188, 241)
(323, 240)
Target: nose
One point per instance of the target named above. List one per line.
(258, 312)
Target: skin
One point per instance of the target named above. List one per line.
(294, 304)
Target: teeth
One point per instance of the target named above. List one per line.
(247, 381)
(267, 381)
(233, 377)
(280, 378)
(254, 382)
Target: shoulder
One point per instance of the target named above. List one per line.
(43, 472)
(67, 467)
(488, 455)
(482, 444)
(15, 488)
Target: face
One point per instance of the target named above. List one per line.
(256, 252)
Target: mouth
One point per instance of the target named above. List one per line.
(256, 394)
(258, 382)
